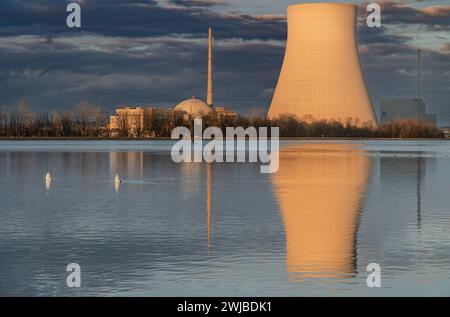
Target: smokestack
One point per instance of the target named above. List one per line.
(419, 73)
(209, 96)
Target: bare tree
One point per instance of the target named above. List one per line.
(147, 124)
(84, 115)
(99, 121)
(123, 124)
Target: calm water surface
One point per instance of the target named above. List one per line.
(224, 228)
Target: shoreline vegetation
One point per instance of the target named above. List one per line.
(87, 139)
(87, 122)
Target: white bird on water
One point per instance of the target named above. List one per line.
(117, 182)
(48, 181)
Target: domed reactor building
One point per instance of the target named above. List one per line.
(195, 107)
(321, 77)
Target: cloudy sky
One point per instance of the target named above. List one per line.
(154, 52)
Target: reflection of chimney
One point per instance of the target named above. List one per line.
(419, 73)
(209, 96)
(420, 167)
(208, 200)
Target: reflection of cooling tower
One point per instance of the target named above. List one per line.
(319, 193)
(321, 74)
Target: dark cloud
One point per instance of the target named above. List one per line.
(55, 72)
(436, 17)
(136, 18)
(368, 35)
(199, 3)
(164, 73)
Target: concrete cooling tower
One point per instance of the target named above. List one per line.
(321, 76)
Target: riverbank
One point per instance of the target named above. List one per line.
(169, 139)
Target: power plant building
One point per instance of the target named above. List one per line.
(395, 109)
(405, 108)
(193, 107)
(321, 76)
(133, 121)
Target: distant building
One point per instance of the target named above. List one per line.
(132, 121)
(223, 112)
(406, 108)
(160, 114)
(138, 121)
(127, 120)
(446, 132)
(193, 107)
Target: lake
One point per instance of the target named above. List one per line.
(225, 229)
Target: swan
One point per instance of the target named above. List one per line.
(48, 181)
(117, 182)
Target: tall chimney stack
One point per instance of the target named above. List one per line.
(209, 96)
(419, 73)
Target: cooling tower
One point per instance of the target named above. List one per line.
(321, 74)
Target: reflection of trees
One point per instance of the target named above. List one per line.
(129, 165)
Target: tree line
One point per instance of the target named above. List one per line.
(90, 121)
(84, 120)
(352, 128)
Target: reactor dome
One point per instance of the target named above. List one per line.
(193, 107)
